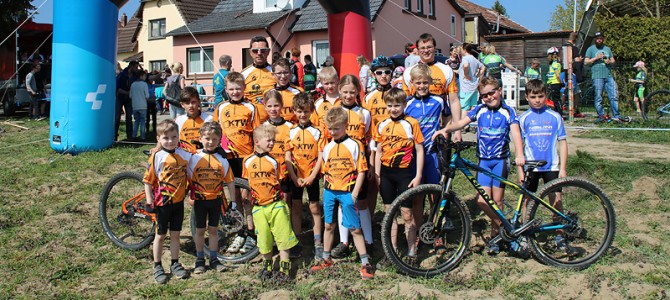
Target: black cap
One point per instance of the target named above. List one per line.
(599, 34)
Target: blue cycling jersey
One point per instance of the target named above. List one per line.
(541, 130)
(428, 111)
(493, 128)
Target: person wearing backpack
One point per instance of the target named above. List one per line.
(173, 86)
(310, 74)
(297, 69)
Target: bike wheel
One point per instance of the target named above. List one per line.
(651, 105)
(230, 224)
(593, 234)
(430, 260)
(133, 229)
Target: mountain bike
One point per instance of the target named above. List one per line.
(128, 225)
(656, 106)
(587, 221)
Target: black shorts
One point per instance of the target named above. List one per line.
(207, 212)
(170, 217)
(313, 192)
(363, 194)
(393, 182)
(534, 179)
(285, 186)
(236, 166)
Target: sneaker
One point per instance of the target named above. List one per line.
(412, 260)
(199, 266)
(385, 262)
(322, 264)
(318, 252)
(282, 278)
(342, 250)
(284, 274)
(493, 249)
(296, 251)
(439, 246)
(367, 272)
(159, 275)
(599, 120)
(238, 242)
(178, 271)
(519, 248)
(562, 245)
(215, 264)
(266, 271)
(249, 245)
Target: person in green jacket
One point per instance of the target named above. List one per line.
(639, 80)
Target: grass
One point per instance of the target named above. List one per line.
(53, 245)
(637, 136)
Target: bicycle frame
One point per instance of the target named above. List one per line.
(137, 203)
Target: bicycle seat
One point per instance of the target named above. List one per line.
(533, 164)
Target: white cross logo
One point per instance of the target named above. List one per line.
(91, 97)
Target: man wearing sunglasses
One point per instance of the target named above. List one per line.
(443, 81)
(258, 76)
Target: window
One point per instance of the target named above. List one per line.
(453, 25)
(199, 60)
(157, 29)
(246, 57)
(431, 8)
(320, 50)
(419, 7)
(157, 65)
(408, 5)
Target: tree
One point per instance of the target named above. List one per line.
(562, 17)
(13, 12)
(499, 8)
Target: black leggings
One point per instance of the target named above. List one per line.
(393, 182)
(555, 95)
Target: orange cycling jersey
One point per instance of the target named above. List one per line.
(189, 128)
(166, 173)
(397, 138)
(238, 120)
(321, 108)
(343, 159)
(257, 81)
(359, 123)
(306, 141)
(281, 143)
(262, 171)
(443, 80)
(374, 102)
(287, 95)
(208, 174)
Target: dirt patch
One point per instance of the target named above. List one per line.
(613, 150)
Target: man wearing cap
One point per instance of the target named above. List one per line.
(602, 59)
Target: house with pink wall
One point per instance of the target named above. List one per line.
(303, 24)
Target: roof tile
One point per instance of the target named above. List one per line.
(491, 16)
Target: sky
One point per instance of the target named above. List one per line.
(532, 14)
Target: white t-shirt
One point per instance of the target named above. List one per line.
(473, 66)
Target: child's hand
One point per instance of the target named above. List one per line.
(149, 207)
(191, 202)
(307, 181)
(457, 136)
(378, 179)
(442, 132)
(562, 174)
(415, 182)
(520, 160)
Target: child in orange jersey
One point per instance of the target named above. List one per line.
(399, 164)
(303, 161)
(190, 123)
(270, 212)
(282, 73)
(165, 183)
(209, 172)
(328, 79)
(238, 118)
(344, 166)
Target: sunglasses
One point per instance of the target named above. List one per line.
(384, 72)
(260, 50)
(489, 94)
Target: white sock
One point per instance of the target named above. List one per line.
(366, 224)
(344, 232)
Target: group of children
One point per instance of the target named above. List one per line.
(285, 145)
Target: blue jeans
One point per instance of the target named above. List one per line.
(610, 88)
(140, 116)
(176, 111)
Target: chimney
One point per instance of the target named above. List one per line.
(124, 20)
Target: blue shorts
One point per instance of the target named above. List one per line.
(468, 99)
(498, 166)
(350, 217)
(431, 169)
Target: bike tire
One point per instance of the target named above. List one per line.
(140, 232)
(456, 241)
(585, 202)
(652, 102)
(225, 238)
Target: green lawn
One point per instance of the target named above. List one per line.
(53, 246)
